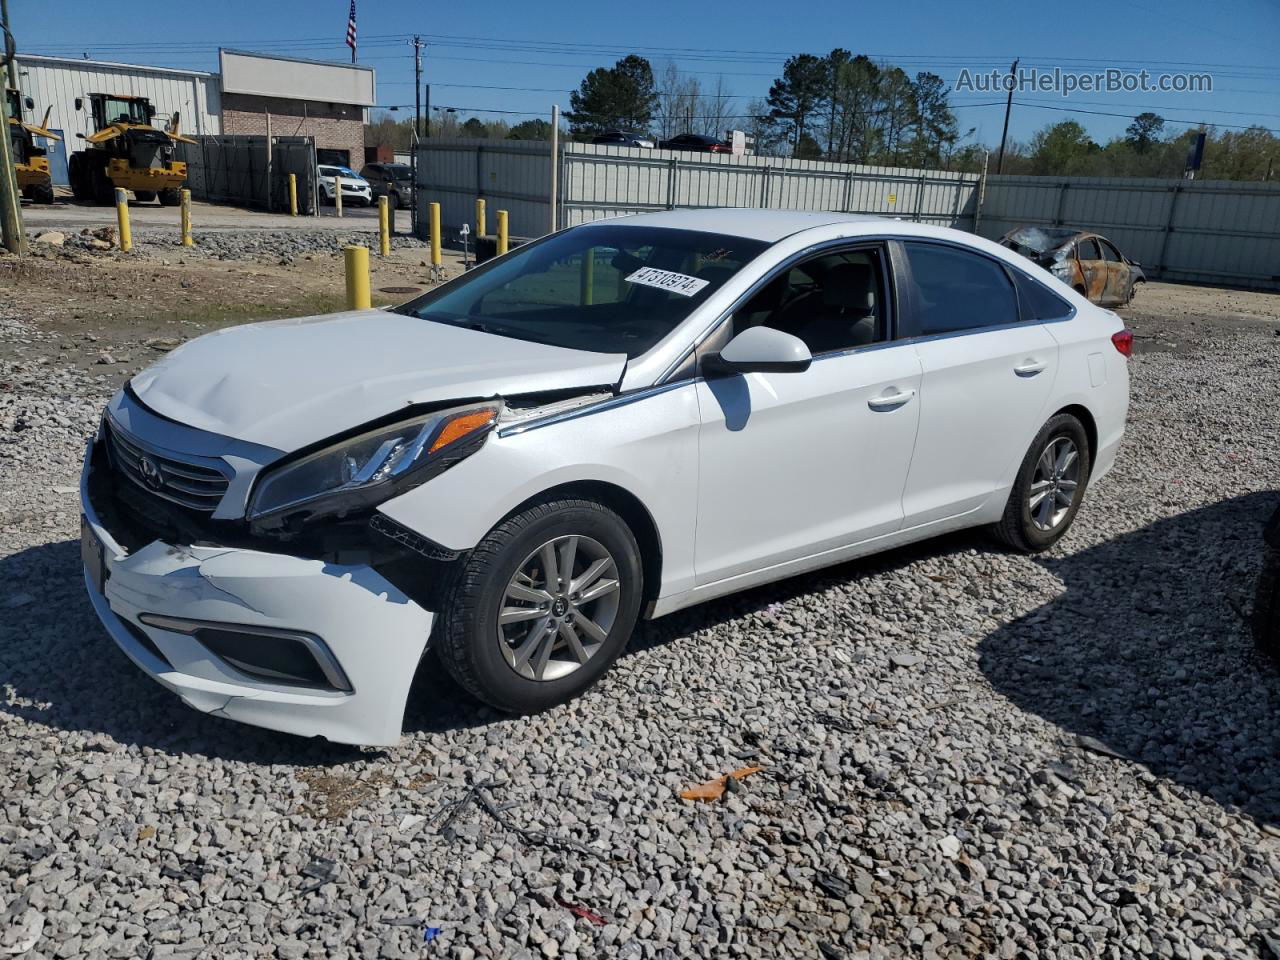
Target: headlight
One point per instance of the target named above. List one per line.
(365, 469)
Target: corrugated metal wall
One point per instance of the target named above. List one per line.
(1190, 230)
(513, 175)
(602, 181)
(56, 82)
(1202, 231)
(599, 181)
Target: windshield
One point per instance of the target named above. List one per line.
(125, 111)
(13, 104)
(608, 289)
(339, 172)
(397, 173)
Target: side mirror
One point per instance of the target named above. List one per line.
(31, 104)
(79, 103)
(759, 350)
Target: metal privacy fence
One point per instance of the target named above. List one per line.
(1202, 231)
(234, 169)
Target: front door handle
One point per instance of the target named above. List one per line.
(890, 401)
(1030, 368)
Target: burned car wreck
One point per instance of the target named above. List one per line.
(1089, 264)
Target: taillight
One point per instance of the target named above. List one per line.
(1124, 342)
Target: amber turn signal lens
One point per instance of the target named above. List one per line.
(460, 426)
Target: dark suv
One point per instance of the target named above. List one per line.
(391, 180)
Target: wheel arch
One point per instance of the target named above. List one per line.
(1085, 416)
(627, 506)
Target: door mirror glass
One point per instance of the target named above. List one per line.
(760, 350)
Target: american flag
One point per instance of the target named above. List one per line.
(351, 30)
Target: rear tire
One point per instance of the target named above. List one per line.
(144, 196)
(42, 193)
(104, 191)
(170, 197)
(79, 177)
(513, 634)
(1049, 487)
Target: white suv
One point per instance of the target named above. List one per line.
(355, 188)
(615, 421)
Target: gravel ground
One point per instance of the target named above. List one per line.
(965, 753)
(256, 245)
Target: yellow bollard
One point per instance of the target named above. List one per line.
(502, 232)
(481, 222)
(384, 226)
(587, 279)
(435, 235)
(122, 217)
(293, 194)
(186, 219)
(357, 278)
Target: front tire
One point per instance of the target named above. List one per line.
(543, 606)
(144, 196)
(1049, 487)
(170, 197)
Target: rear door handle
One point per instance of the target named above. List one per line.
(890, 401)
(1030, 368)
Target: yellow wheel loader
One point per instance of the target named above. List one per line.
(29, 161)
(126, 151)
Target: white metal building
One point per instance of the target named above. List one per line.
(58, 81)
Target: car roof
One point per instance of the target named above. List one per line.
(768, 225)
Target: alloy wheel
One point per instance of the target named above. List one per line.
(1054, 483)
(558, 608)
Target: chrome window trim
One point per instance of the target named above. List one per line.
(329, 666)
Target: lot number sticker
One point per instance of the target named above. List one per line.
(680, 283)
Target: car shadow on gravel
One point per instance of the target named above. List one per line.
(1149, 650)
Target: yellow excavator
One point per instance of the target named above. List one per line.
(126, 151)
(30, 162)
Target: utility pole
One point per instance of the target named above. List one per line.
(417, 133)
(417, 85)
(1008, 106)
(555, 166)
(11, 231)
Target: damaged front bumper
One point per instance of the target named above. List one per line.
(304, 646)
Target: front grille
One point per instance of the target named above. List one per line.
(192, 485)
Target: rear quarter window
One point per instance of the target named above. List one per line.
(1038, 302)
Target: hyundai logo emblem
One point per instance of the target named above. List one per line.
(151, 474)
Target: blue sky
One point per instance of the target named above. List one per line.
(544, 47)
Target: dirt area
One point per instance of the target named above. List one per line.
(1170, 317)
(115, 312)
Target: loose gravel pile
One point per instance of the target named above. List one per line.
(964, 753)
(259, 245)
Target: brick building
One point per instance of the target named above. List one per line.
(298, 98)
(327, 101)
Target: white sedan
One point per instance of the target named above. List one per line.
(615, 421)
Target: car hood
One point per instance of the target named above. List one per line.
(289, 383)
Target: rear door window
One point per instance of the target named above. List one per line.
(953, 290)
(1088, 250)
